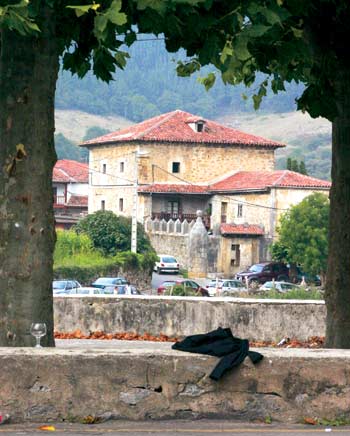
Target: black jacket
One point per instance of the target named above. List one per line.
(220, 343)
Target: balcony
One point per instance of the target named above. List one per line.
(59, 200)
(181, 216)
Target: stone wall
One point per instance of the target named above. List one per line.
(176, 245)
(268, 320)
(155, 382)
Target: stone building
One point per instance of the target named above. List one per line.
(172, 165)
(70, 180)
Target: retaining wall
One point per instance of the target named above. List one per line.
(158, 383)
(268, 320)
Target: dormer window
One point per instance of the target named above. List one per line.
(196, 124)
(199, 125)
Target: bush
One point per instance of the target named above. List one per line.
(69, 243)
(181, 291)
(111, 233)
(294, 294)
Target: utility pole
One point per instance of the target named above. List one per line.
(138, 154)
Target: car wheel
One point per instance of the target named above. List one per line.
(254, 283)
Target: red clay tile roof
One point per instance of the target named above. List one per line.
(241, 229)
(70, 171)
(78, 201)
(251, 180)
(165, 188)
(242, 181)
(174, 127)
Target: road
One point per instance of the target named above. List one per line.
(172, 428)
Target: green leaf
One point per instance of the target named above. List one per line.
(83, 9)
(226, 51)
(298, 33)
(240, 49)
(158, 5)
(120, 58)
(207, 81)
(256, 30)
(114, 15)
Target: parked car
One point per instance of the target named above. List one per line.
(265, 271)
(127, 290)
(109, 284)
(279, 286)
(166, 263)
(183, 282)
(309, 278)
(225, 287)
(65, 287)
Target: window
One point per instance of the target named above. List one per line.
(103, 205)
(176, 167)
(121, 167)
(235, 255)
(121, 204)
(223, 212)
(240, 210)
(104, 168)
(200, 126)
(173, 207)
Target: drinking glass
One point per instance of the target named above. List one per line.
(38, 330)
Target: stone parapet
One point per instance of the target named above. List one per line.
(268, 320)
(152, 381)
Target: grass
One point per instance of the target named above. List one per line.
(294, 294)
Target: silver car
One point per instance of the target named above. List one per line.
(225, 287)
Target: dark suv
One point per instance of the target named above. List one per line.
(264, 272)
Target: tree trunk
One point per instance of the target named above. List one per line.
(338, 270)
(28, 74)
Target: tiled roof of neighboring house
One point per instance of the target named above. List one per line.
(175, 127)
(242, 181)
(70, 171)
(247, 180)
(241, 229)
(165, 188)
(78, 201)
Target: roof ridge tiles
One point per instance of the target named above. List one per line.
(158, 124)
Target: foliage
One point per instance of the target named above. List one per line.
(294, 165)
(86, 267)
(66, 149)
(69, 243)
(180, 291)
(294, 294)
(94, 132)
(111, 233)
(161, 90)
(303, 234)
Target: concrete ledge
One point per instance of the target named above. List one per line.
(150, 381)
(254, 319)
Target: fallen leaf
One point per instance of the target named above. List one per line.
(310, 421)
(47, 428)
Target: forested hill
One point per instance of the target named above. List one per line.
(149, 86)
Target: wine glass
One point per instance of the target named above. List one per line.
(38, 330)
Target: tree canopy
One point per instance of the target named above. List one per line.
(111, 233)
(303, 234)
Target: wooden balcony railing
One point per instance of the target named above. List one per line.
(181, 216)
(59, 200)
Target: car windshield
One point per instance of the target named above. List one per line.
(286, 286)
(269, 285)
(237, 284)
(256, 268)
(58, 285)
(105, 281)
(168, 259)
(168, 284)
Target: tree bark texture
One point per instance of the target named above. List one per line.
(28, 74)
(338, 270)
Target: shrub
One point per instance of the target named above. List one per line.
(181, 291)
(69, 243)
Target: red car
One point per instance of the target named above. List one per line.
(183, 282)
